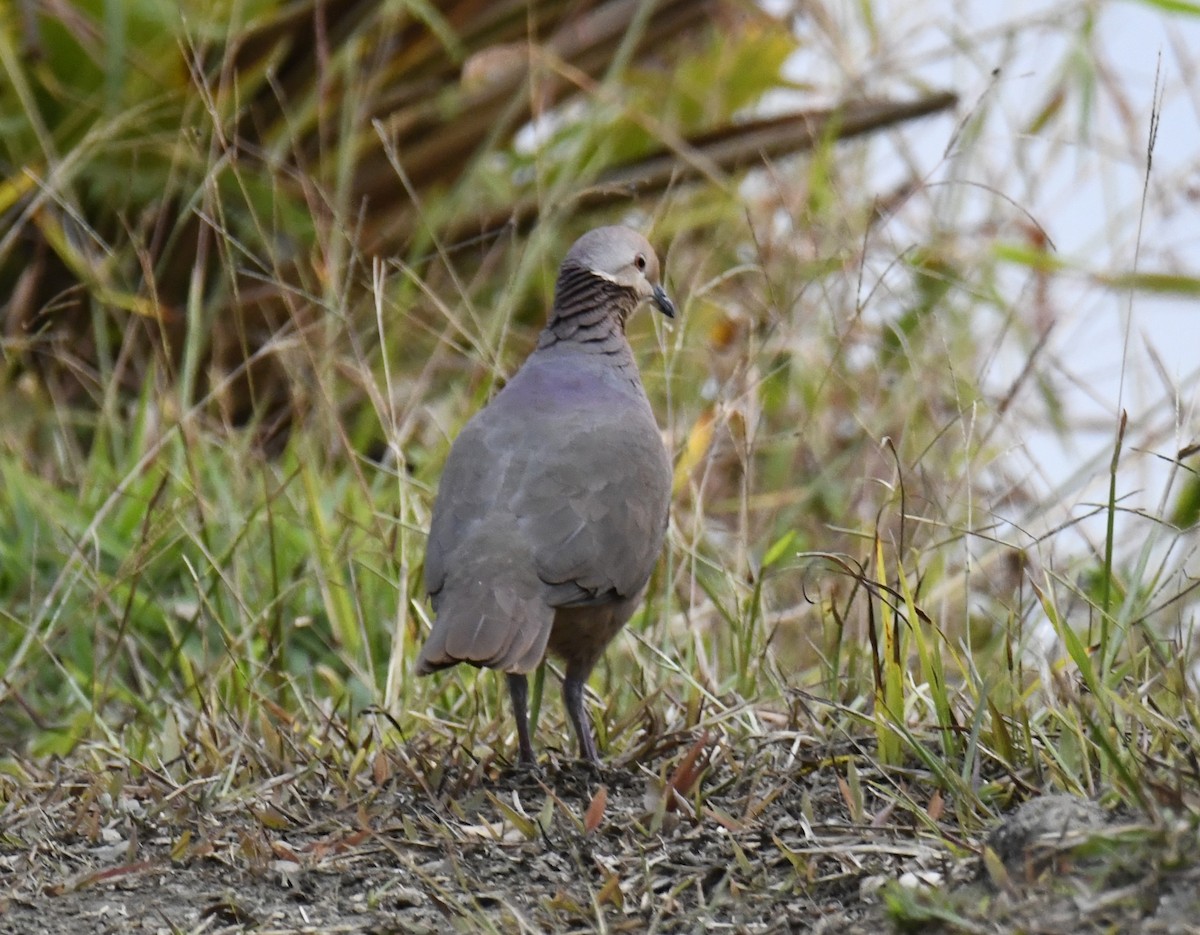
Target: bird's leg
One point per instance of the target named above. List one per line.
(573, 685)
(518, 691)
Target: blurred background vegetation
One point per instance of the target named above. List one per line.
(259, 262)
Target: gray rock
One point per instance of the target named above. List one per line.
(1046, 819)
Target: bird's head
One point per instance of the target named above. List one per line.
(623, 256)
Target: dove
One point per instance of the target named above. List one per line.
(552, 507)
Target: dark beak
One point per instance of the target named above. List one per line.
(665, 305)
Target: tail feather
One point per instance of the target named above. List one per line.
(490, 618)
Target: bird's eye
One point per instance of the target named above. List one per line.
(640, 262)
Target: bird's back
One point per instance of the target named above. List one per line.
(554, 495)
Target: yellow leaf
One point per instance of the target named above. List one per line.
(699, 438)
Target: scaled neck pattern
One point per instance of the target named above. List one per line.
(589, 315)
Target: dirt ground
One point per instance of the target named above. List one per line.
(793, 837)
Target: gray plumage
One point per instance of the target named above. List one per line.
(553, 503)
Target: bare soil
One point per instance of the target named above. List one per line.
(790, 837)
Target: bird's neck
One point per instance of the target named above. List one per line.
(589, 311)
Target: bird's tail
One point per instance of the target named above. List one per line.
(491, 611)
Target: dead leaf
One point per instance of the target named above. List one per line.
(687, 772)
(382, 769)
(595, 810)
